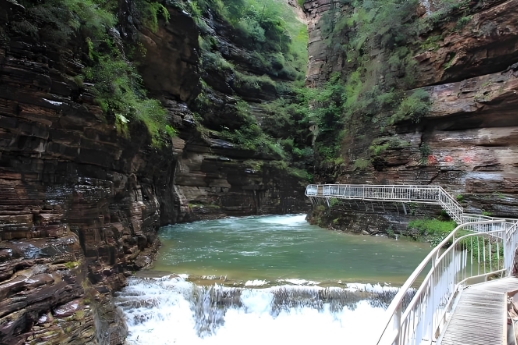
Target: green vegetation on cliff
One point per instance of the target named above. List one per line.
(117, 86)
(267, 27)
(262, 67)
(373, 87)
(434, 230)
(377, 40)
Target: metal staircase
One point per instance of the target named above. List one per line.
(427, 194)
(489, 250)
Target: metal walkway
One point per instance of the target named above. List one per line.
(488, 250)
(425, 194)
(480, 317)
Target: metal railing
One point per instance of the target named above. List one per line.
(426, 194)
(471, 257)
(478, 247)
(429, 194)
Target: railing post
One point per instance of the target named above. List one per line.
(431, 298)
(397, 321)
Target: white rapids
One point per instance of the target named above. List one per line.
(172, 310)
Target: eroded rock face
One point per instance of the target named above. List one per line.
(370, 218)
(172, 51)
(72, 191)
(487, 101)
(487, 44)
(80, 204)
(467, 142)
(213, 180)
(322, 59)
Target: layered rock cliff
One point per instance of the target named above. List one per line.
(217, 173)
(81, 204)
(461, 65)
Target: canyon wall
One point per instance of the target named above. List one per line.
(215, 177)
(81, 204)
(466, 141)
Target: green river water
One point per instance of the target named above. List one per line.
(266, 280)
(275, 248)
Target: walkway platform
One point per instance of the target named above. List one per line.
(480, 316)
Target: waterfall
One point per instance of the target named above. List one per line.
(173, 310)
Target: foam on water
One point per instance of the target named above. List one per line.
(290, 220)
(171, 310)
(265, 280)
(371, 287)
(256, 282)
(299, 282)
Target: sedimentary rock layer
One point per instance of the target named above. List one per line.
(468, 140)
(80, 203)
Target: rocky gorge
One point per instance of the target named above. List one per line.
(82, 200)
(460, 61)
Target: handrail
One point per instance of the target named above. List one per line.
(450, 204)
(432, 194)
(437, 262)
(428, 308)
(397, 302)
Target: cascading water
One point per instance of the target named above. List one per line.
(171, 310)
(257, 280)
(426, 4)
